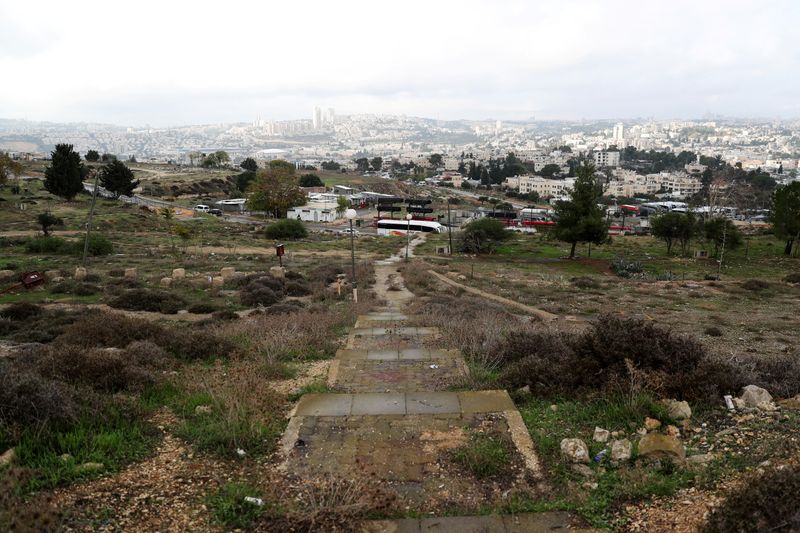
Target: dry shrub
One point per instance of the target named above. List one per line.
(713, 331)
(331, 504)
(102, 329)
(778, 373)
(153, 300)
(21, 311)
(416, 276)
(602, 358)
(755, 285)
(585, 282)
(108, 370)
(766, 502)
(297, 288)
(19, 515)
(225, 314)
(326, 273)
(794, 277)
(305, 334)
(202, 308)
(254, 295)
(30, 400)
(290, 306)
(77, 288)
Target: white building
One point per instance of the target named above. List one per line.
(544, 187)
(618, 134)
(606, 159)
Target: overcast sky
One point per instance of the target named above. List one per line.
(169, 63)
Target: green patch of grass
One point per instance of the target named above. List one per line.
(113, 442)
(317, 387)
(485, 455)
(230, 509)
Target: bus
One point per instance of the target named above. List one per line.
(387, 226)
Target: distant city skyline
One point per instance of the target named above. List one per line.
(164, 64)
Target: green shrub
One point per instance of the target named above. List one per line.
(485, 456)
(286, 229)
(767, 502)
(229, 508)
(482, 236)
(98, 245)
(77, 288)
(626, 269)
(48, 245)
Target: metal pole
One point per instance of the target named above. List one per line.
(353, 261)
(89, 222)
(408, 235)
(449, 228)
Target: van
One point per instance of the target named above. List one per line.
(202, 208)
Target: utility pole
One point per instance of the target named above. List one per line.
(89, 222)
(449, 228)
(722, 251)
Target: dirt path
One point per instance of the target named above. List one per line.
(544, 315)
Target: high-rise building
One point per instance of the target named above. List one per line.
(619, 134)
(316, 118)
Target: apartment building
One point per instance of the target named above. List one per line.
(544, 187)
(606, 159)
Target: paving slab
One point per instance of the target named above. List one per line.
(528, 522)
(488, 401)
(383, 403)
(463, 524)
(324, 405)
(518, 523)
(432, 403)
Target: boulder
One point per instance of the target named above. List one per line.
(49, 275)
(217, 282)
(227, 272)
(165, 283)
(582, 470)
(57, 279)
(678, 410)
(660, 446)
(178, 273)
(651, 424)
(754, 396)
(80, 274)
(8, 457)
(277, 272)
(601, 435)
(7, 275)
(575, 451)
(131, 273)
(621, 450)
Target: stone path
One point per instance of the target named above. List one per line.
(394, 417)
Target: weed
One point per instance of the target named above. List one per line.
(485, 456)
(229, 507)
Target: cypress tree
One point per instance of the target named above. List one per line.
(64, 176)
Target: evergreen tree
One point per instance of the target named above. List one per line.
(785, 215)
(64, 176)
(580, 219)
(117, 178)
(92, 155)
(249, 164)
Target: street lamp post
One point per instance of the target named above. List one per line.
(350, 214)
(449, 229)
(408, 232)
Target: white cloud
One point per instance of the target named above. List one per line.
(169, 62)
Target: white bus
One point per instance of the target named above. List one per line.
(388, 226)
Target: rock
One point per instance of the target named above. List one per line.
(8, 457)
(131, 273)
(89, 467)
(582, 470)
(165, 283)
(461, 277)
(754, 396)
(701, 459)
(659, 446)
(554, 408)
(57, 279)
(65, 457)
(227, 272)
(651, 424)
(524, 391)
(203, 409)
(678, 410)
(790, 403)
(49, 275)
(672, 430)
(277, 272)
(738, 403)
(217, 282)
(590, 485)
(80, 274)
(178, 273)
(7, 275)
(575, 451)
(601, 435)
(621, 450)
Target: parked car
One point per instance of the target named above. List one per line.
(216, 212)
(347, 231)
(202, 208)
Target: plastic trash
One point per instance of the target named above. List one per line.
(729, 402)
(434, 366)
(240, 452)
(600, 455)
(254, 500)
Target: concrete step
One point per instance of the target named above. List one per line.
(518, 523)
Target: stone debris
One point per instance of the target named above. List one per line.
(678, 410)
(131, 273)
(8, 457)
(651, 424)
(601, 435)
(575, 451)
(165, 283)
(80, 274)
(178, 274)
(658, 446)
(754, 396)
(621, 450)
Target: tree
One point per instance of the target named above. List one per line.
(92, 156)
(331, 165)
(209, 161)
(462, 168)
(377, 163)
(8, 168)
(550, 170)
(342, 203)
(276, 189)
(785, 215)
(47, 220)
(194, 156)
(435, 160)
(244, 180)
(64, 176)
(311, 180)
(482, 236)
(722, 231)
(222, 157)
(672, 227)
(362, 164)
(105, 158)
(117, 178)
(580, 219)
(249, 164)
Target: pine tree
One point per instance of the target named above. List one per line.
(580, 219)
(117, 178)
(64, 176)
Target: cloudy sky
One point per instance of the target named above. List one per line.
(170, 62)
